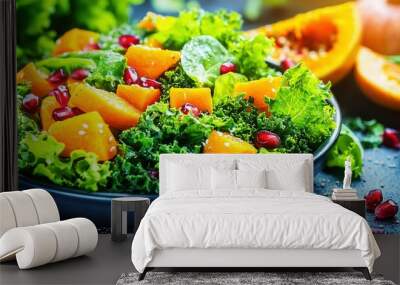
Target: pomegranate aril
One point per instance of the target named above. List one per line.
(373, 199)
(267, 140)
(153, 174)
(128, 40)
(79, 74)
(227, 67)
(63, 113)
(386, 210)
(30, 103)
(92, 46)
(147, 82)
(61, 94)
(286, 64)
(391, 138)
(58, 77)
(131, 76)
(187, 108)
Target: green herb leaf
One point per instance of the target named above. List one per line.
(369, 131)
(225, 84)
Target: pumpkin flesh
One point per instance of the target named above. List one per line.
(219, 142)
(326, 40)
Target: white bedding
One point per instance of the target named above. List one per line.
(250, 219)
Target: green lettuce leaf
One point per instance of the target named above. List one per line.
(225, 84)
(303, 97)
(250, 55)
(39, 154)
(201, 59)
(347, 147)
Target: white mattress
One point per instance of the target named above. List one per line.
(253, 219)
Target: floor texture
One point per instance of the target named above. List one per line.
(244, 278)
(103, 266)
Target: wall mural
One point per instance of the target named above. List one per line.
(98, 104)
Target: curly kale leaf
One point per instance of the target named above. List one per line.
(174, 78)
(109, 41)
(26, 124)
(303, 97)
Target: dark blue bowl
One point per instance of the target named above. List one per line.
(96, 206)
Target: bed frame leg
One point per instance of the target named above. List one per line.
(143, 274)
(364, 271)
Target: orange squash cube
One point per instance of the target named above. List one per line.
(200, 97)
(259, 89)
(219, 142)
(75, 40)
(137, 96)
(151, 62)
(115, 111)
(35, 78)
(49, 104)
(86, 132)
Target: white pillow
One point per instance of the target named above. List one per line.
(293, 179)
(183, 177)
(223, 179)
(251, 178)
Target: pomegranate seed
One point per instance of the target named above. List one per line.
(30, 103)
(63, 113)
(80, 74)
(267, 139)
(286, 64)
(153, 174)
(149, 83)
(130, 76)
(62, 95)
(227, 67)
(77, 111)
(92, 46)
(373, 199)
(58, 77)
(190, 108)
(391, 138)
(128, 40)
(386, 210)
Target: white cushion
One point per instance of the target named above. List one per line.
(45, 206)
(224, 179)
(188, 177)
(293, 179)
(7, 218)
(23, 208)
(251, 179)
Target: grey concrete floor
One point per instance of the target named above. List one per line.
(103, 266)
(110, 259)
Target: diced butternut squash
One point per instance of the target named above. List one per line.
(200, 97)
(225, 143)
(115, 111)
(75, 40)
(259, 89)
(137, 96)
(151, 62)
(86, 132)
(49, 104)
(35, 78)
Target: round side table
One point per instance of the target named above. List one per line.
(119, 209)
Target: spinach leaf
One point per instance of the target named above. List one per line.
(201, 59)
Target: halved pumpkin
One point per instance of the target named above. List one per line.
(75, 40)
(219, 142)
(151, 62)
(87, 132)
(37, 79)
(378, 78)
(137, 96)
(200, 97)
(259, 89)
(115, 111)
(326, 39)
(48, 105)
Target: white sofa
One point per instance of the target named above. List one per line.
(31, 231)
